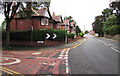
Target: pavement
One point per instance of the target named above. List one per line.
(97, 56)
(25, 61)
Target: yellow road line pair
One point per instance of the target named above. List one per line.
(8, 71)
(78, 44)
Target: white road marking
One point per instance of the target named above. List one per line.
(36, 53)
(67, 70)
(110, 44)
(115, 50)
(106, 44)
(10, 63)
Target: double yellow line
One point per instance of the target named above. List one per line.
(78, 44)
(8, 71)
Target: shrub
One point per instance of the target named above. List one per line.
(3, 35)
(20, 35)
(41, 34)
(112, 30)
(81, 34)
(38, 35)
(60, 34)
(70, 35)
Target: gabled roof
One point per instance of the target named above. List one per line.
(57, 18)
(40, 12)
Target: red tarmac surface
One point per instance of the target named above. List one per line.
(34, 62)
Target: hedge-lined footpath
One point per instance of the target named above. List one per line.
(36, 35)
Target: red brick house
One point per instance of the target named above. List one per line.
(72, 27)
(65, 25)
(57, 21)
(40, 19)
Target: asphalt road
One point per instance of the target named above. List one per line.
(95, 56)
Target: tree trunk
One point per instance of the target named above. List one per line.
(7, 33)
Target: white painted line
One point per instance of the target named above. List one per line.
(66, 55)
(110, 44)
(61, 55)
(67, 70)
(106, 44)
(115, 50)
(66, 60)
(10, 63)
(67, 51)
(36, 53)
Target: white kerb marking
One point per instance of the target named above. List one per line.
(36, 53)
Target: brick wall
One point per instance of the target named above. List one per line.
(25, 24)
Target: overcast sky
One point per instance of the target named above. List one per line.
(83, 11)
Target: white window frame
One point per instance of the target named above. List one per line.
(47, 22)
(42, 21)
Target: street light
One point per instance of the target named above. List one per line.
(31, 35)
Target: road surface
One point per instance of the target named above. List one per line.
(95, 56)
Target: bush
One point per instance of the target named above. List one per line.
(19, 35)
(112, 30)
(41, 34)
(60, 34)
(38, 35)
(70, 35)
(3, 35)
(81, 34)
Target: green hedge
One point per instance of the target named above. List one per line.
(60, 34)
(38, 35)
(70, 35)
(81, 34)
(112, 30)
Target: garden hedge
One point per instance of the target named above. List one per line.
(71, 35)
(38, 35)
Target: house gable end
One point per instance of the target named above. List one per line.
(46, 14)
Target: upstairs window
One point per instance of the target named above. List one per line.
(47, 21)
(42, 22)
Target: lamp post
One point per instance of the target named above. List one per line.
(31, 35)
(66, 41)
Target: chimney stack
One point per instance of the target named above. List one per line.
(53, 13)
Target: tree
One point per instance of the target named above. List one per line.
(70, 18)
(98, 25)
(3, 26)
(86, 32)
(10, 9)
(106, 12)
(115, 6)
(78, 30)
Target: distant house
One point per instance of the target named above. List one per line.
(72, 27)
(40, 19)
(56, 21)
(65, 25)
